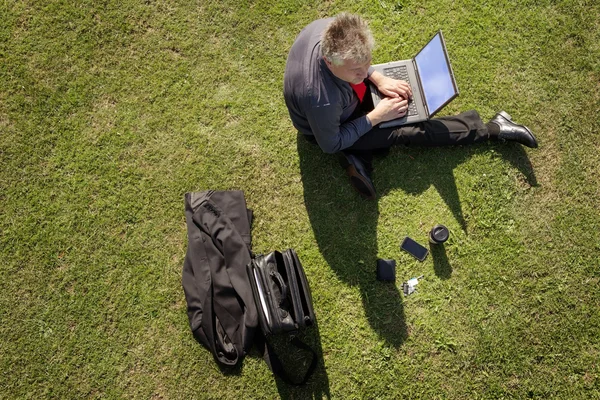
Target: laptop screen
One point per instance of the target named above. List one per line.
(435, 74)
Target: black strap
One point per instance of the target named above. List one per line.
(282, 286)
(276, 365)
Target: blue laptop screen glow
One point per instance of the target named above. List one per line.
(435, 75)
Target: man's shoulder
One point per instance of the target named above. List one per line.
(306, 78)
(323, 91)
(317, 88)
(309, 38)
(318, 24)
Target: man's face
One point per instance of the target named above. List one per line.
(350, 71)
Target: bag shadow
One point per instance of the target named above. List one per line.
(297, 363)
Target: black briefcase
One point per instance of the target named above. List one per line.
(284, 304)
(281, 292)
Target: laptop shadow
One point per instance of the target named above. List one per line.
(345, 225)
(423, 167)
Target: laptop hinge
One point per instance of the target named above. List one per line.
(420, 86)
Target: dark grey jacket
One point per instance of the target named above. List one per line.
(220, 306)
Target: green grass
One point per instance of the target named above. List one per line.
(110, 111)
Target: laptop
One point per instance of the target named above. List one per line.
(431, 78)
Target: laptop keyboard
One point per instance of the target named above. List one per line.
(401, 72)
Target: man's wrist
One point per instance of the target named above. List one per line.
(375, 76)
(373, 119)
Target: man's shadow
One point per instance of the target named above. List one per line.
(345, 225)
(345, 228)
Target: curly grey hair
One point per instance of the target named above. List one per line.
(347, 37)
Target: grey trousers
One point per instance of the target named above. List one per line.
(464, 128)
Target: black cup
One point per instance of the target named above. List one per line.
(439, 234)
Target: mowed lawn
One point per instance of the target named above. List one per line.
(110, 111)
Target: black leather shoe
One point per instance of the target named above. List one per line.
(513, 132)
(359, 175)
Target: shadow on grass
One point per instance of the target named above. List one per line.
(295, 362)
(317, 386)
(516, 155)
(345, 225)
(441, 265)
(435, 167)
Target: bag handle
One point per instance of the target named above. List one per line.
(282, 286)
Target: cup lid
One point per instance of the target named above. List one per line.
(440, 233)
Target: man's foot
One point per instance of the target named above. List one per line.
(359, 175)
(513, 132)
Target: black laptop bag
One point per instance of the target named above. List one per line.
(284, 306)
(281, 292)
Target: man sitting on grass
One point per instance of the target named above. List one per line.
(324, 90)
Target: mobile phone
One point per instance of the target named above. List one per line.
(414, 249)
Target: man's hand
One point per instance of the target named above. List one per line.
(391, 87)
(388, 108)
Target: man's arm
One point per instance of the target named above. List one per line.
(331, 135)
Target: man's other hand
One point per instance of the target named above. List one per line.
(388, 108)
